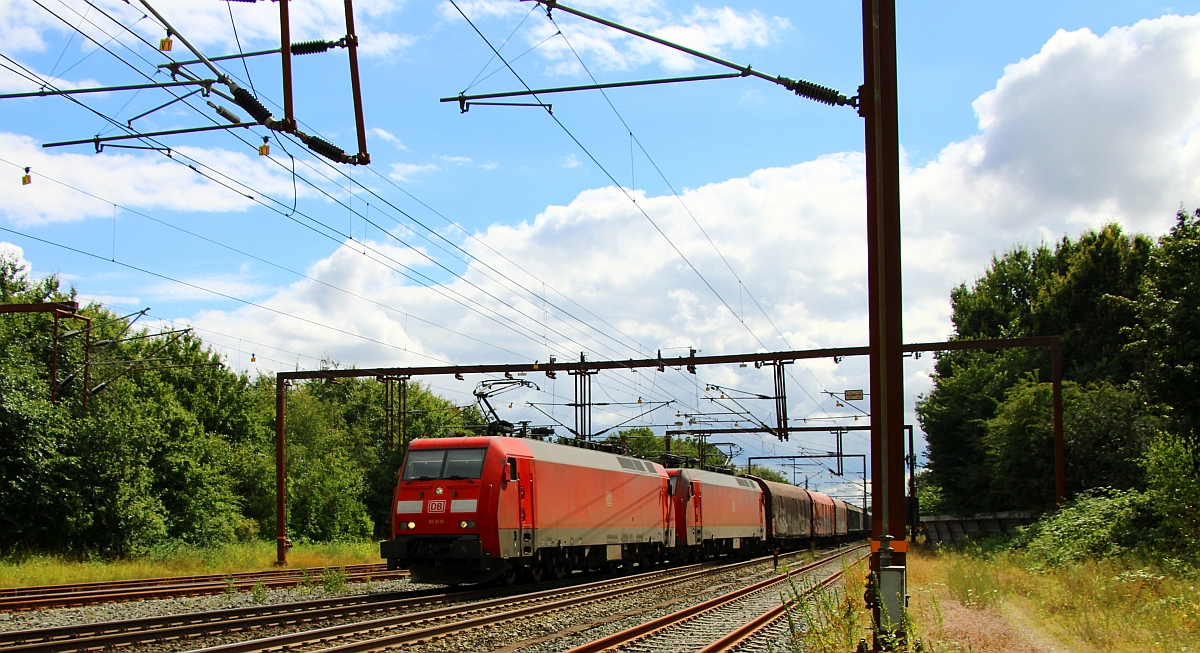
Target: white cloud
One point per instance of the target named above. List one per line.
(454, 159)
(1093, 128)
(11, 82)
(21, 24)
(241, 286)
(712, 30)
(1059, 149)
(138, 181)
(476, 9)
(382, 44)
(405, 171)
(15, 252)
(571, 161)
(111, 300)
(206, 24)
(389, 137)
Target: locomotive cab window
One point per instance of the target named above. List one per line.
(672, 482)
(512, 469)
(429, 464)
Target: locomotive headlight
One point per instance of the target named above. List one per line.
(467, 523)
(411, 525)
(438, 490)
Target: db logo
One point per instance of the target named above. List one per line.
(437, 505)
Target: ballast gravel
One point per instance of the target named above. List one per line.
(565, 629)
(101, 612)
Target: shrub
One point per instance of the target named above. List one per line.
(1173, 491)
(1099, 523)
(334, 580)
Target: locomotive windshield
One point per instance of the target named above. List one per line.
(429, 464)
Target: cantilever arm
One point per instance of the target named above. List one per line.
(460, 98)
(206, 83)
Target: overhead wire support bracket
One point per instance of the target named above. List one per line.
(298, 49)
(464, 101)
(206, 83)
(466, 106)
(287, 49)
(166, 104)
(100, 147)
(247, 101)
(224, 57)
(98, 140)
(815, 92)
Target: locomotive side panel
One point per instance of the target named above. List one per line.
(590, 498)
(727, 508)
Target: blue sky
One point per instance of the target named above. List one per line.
(1071, 137)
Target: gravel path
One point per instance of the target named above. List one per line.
(160, 607)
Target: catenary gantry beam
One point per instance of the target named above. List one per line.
(284, 379)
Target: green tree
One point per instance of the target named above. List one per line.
(929, 496)
(1106, 430)
(768, 474)
(149, 460)
(642, 442)
(1168, 334)
(1085, 290)
(1173, 493)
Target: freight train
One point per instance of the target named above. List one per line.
(478, 509)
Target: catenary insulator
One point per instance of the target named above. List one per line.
(822, 94)
(226, 113)
(325, 149)
(252, 106)
(312, 47)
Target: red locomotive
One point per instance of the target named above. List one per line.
(474, 509)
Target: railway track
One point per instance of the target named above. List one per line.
(704, 627)
(96, 636)
(13, 599)
(420, 627)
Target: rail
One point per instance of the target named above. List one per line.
(641, 631)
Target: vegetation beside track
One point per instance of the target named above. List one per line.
(177, 451)
(1128, 310)
(980, 600)
(994, 599)
(182, 560)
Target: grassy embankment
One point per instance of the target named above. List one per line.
(181, 561)
(968, 601)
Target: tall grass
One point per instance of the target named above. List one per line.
(1114, 605)
(1123, 605)
(834, 619)
(181, 560)
(973, 581)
